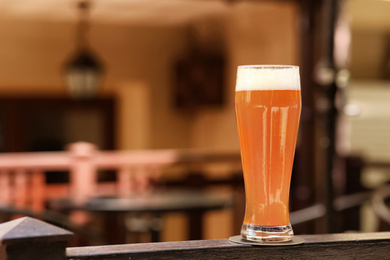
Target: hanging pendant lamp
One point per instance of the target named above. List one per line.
(83, 70)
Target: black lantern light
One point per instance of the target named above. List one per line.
(83, 70)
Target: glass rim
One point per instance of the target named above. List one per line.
(258, 66)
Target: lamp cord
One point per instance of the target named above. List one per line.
(83, 26)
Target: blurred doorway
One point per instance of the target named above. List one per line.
(37, 124)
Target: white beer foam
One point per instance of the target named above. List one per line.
(268, 77)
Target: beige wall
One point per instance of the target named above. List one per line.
(255, 34)
(140, 59)
(32, 54)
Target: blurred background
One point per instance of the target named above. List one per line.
(161, 75)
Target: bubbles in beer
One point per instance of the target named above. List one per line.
(268, 77)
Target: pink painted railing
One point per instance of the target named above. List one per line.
(22, 175)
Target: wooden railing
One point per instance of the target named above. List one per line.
(22, 175)
(27, 238)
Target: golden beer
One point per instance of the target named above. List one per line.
(268, 107)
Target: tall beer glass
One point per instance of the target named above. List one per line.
(268, 107)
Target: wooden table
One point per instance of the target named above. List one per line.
(114, 210)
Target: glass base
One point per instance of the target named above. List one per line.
(267, 233)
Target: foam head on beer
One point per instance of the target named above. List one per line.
(267, 77)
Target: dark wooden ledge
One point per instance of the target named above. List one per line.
(329, 246)
(27, 238)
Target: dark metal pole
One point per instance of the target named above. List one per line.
(303, 178)
(326, 72)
